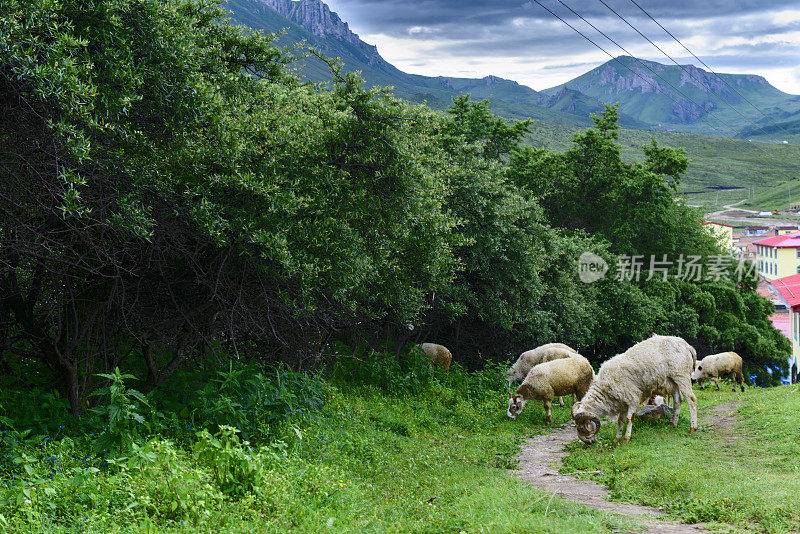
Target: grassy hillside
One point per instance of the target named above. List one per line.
(741, 472)
(775, 197)
(716, 162)
(781, 130)
(431, 454)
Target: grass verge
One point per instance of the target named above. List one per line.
(744, 472)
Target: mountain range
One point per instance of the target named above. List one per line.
(652, 96)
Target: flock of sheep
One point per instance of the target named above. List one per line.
(661, 365)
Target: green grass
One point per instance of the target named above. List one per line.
(433, 456)
(751, 482)
(714, 161)
(432, 461)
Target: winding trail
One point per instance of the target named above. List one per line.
(541, 458)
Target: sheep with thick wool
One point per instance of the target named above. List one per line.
(528, 359)
(439, 355)
(715, 366)
(563, 376)
(660, 363)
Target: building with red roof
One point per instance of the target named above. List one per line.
(788, 289)
(778, 256)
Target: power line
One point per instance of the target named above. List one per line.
(576, 30)
(697, 114)
(710, 69)
(684, 69)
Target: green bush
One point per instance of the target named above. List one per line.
(237, 469)
(259, 404)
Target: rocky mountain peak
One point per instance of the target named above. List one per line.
(316, 17)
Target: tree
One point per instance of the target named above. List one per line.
(169, 189)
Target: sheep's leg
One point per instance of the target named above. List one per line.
(621, 422)
(561, 401)
(547, 404)
(685, 387)
(741, 381)
(716, 382)
(676, 408)
(628, 431)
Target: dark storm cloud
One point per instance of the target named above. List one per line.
(395, 17)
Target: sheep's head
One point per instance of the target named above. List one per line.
(513, 376)
(587, 423)
(700, 374)
(515, 405)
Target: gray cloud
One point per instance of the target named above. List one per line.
(732, 34)
(373, 16)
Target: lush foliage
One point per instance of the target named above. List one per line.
(354, 458)
(170, 188)
(175, 193)
(180, 210)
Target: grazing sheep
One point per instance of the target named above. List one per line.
(563, 376)
(528, 359)
(438, 354)
(657, 364)
(715, 366)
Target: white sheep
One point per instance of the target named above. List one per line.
(528, 359)
(564, 376)
(660, 363)
(715, 366)
(439, 355)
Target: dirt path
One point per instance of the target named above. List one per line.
(723, 420)
(746, 216)
(540, 460)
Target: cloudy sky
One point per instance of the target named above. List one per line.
(518, 39)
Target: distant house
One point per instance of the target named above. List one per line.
(723, 233)
(778, 256)
(752, 231)
(743, 245)
(783, 230)
(788, 288)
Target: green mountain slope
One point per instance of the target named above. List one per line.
(509, 98)
(649, 95)
(786, 130)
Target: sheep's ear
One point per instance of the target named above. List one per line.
(576, 408)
